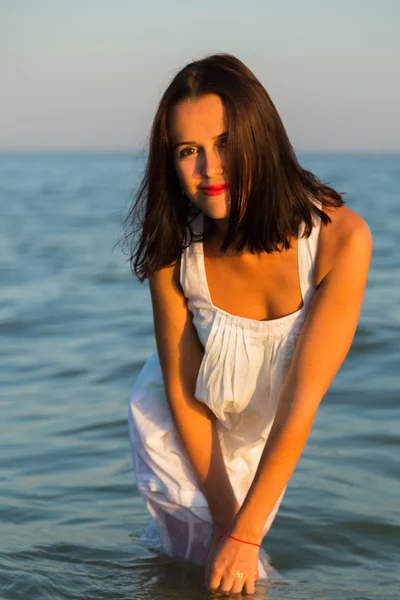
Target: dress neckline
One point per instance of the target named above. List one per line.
(264, 323)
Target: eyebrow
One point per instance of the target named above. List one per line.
(195, 143)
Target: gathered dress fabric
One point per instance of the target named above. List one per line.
(243, 369)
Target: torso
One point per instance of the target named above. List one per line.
(266, 286)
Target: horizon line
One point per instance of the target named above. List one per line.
(137, 151)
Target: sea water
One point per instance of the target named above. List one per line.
(75, 329)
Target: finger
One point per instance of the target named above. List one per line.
(227, 583)
(249, 585)
(214, 579)
(238, 584)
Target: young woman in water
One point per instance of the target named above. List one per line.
(257, 272)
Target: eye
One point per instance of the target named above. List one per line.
(223, 141)
(187, 152)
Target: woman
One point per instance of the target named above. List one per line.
(257, 273)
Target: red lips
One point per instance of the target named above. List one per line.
(214, 190)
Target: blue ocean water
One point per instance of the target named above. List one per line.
(75, 329)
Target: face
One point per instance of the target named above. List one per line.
(198, 134)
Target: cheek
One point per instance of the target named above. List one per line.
(184, 172)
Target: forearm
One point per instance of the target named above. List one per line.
(321, 348)
(280, 456)
(196, 428)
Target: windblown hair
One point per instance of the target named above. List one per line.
(270, 192)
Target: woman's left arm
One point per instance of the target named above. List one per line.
(323, 344)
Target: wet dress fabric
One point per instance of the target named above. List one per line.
(243, 369)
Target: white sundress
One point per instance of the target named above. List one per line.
(242, 372)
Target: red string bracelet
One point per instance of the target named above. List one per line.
(237, 540)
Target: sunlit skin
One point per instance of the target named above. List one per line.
(198, 134)
(262, 283)
(257, 286)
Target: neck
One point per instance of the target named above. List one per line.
(220, 228)
(219, 231)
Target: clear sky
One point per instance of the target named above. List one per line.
(88, 74)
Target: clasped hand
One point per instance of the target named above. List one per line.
(232, 566)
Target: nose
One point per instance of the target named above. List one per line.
(211, 163)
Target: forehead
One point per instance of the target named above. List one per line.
(197, 119)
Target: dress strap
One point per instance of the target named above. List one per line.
(192, 271)
(307, 252)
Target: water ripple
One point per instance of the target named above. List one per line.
(76, 329)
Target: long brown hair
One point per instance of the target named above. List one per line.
(270, 192)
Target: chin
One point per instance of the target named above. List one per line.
(215, 208)
(217, 216)
(217, 211)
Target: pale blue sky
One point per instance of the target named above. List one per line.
(88, 74)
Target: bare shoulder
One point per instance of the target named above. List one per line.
(345, 225)
(347, 235)
(166, 280)
(168, 300)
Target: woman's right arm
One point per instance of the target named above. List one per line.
(180, 353)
